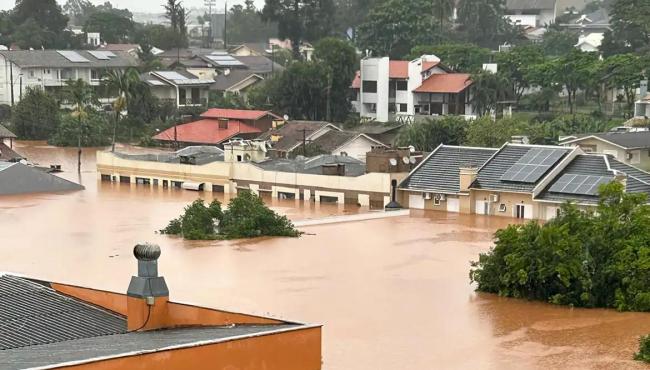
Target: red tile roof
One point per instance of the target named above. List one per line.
(428, 65)
(445, 83)
(398, 69)
(356, 83)
(241, 114)
(206, 131)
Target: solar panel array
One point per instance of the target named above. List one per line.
(102, 54)
(224, 60)
(533, 165)
(170, 75)
(579, 184)
(73, 56)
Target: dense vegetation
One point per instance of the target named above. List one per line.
(246, 217)
(597, 258)
(644, 349)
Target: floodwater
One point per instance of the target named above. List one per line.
(391, 293)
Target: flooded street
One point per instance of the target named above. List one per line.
(391, 293)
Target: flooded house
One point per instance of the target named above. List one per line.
(50, 325)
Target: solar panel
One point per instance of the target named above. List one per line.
(579, 184)
(225, 60)
(533, 165)
(72, 56)
(99, 55)
(170, 75)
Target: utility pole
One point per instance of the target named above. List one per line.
(11, 78)
(225, 25)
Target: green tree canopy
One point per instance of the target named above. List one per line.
(36, 116)
(427, 135)
(630, 29)
(485, 132)
(557, 42)
(93, 131)
(113, 27)
(597, 258)
(339, 60)
(515, 65)
(483, 22)
(488, 90)
(245, 24)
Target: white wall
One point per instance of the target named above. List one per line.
(356, 148)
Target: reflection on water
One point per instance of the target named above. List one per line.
(391, 293)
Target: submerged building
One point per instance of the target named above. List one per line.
(48, 325)
(19, 178)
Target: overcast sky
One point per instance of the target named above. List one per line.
(148, 6)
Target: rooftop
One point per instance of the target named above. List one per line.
(313, 165)
(440, 171)
(398, 69)
(199, 154)
(175, 78)
(530, 4)
(238, 114)
(6, 134)
(292, 133)
(445, 83)
(224, 82)
(18, 178)
(625, 140)
(82, 58)
(205, 131)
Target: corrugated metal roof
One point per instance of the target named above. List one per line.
(440, 171)
(489, 177)
(206, 131)
(33, 314)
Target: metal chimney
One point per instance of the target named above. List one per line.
(147, 283)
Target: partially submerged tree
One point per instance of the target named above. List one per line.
(122, 83)
(80, 94)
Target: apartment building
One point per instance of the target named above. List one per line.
(50, 69)
(398, 90)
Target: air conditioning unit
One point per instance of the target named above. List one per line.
(494, 198)
(427, 196)
(440, 197)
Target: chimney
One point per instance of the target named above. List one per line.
(467, 177)
(223, 123)
(147, 295)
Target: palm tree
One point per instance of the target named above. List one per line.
(81, 95)
(121, 82)
(488, 90)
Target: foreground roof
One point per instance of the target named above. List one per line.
(313, 165)
(625, 140)
(205, 131)
(292, 133)
(445, 83)
(6, 134)
(490, 175)
(18, 178)
(199, 154)
(241, 114)
(440, 171)
(52, 58)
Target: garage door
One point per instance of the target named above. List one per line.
(482, 207)
(453, 205)
(416, 201)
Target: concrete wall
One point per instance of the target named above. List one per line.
(640, 158)
(375, 69)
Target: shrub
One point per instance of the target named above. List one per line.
(95, 131)
(246, 217)
(644, 349)
(587, 259)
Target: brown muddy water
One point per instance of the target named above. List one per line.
(391, 293)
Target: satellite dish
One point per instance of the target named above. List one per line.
(406, 160)
(393, 162)
(413, 160)
(226, 72)
(286, 117)
(411, 148)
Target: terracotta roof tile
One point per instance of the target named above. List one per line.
(445, 83)
(238, 114)
(206, 131)
(398, 69)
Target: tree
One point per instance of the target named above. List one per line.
(427, 135)
(597, 258)
(394, 27)
(515, 65)
(80, 95)
(30, 35)
(300, 20)
(558, 42)
(176, 14)
(36, 116)
(630, 30)
(350, 14)
(94, 131)
(575, 71)
(122, 83)
(113, 27)
(459, 57)
(245, 24)
(46, 13)
(339, 59)
(624, 71)
(488, 90)
(484, 132)
(483, 22)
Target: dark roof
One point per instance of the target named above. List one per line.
(440, 171)
(5, 133)
(32, 314)
(8, 154)
(17, 178)
(225, 81)
(489, 176)
(597, 165)
(291, 133)
(353, 166)
(627, 140)
(530, 4)
(200, 155)
(52, 58)
(333, 139)
(259, 64)
(377, 128)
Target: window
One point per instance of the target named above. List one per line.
(196, 95)
(403, 108)
(182, 96)
(31, 74)
(369, 86)
(402, 85)
(436, 201)
(46, 71)
(94, 74)
(502, 207)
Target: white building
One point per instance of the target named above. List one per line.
(396, 90)
(180, 87)
(50, 69)
(590, 42)
(531, 13)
